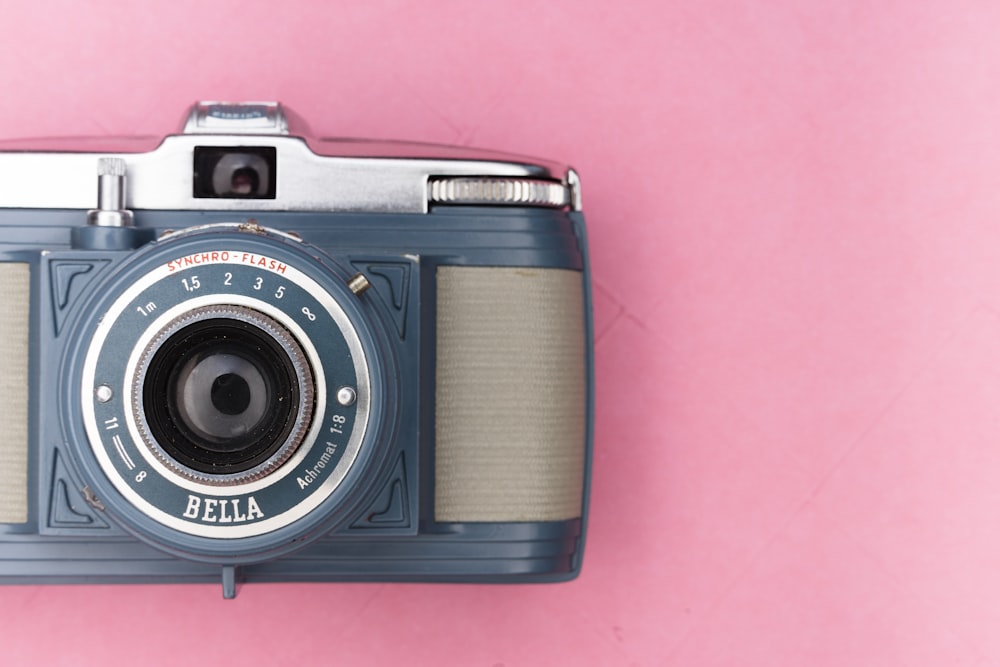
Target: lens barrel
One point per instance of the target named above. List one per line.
(225, 393)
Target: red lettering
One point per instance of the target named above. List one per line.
(225, 257)
(212, 257)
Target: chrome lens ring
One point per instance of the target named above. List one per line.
(174, 410)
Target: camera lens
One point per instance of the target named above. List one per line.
(220, 394)
(226, 390)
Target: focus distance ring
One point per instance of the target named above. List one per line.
(208, 428)
(222, 395)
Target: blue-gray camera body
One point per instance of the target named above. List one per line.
(287, 359)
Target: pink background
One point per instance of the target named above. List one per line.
(794, 211)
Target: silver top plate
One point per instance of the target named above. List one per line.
(333, 175)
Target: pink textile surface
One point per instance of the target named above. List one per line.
(794, 217)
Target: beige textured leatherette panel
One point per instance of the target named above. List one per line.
(510, 412)
(15, 295)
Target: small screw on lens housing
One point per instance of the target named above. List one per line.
(235, 172)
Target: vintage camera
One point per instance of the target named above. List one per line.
(272, 357)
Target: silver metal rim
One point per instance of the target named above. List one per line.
(304, 377)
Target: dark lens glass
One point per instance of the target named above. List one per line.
(220, 396)
(230, 394)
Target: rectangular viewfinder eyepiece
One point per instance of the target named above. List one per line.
(235, 172)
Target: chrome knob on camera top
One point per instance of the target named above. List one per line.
(110, 226)
(110, 211)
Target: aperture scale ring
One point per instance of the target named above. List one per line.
(258, 272)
